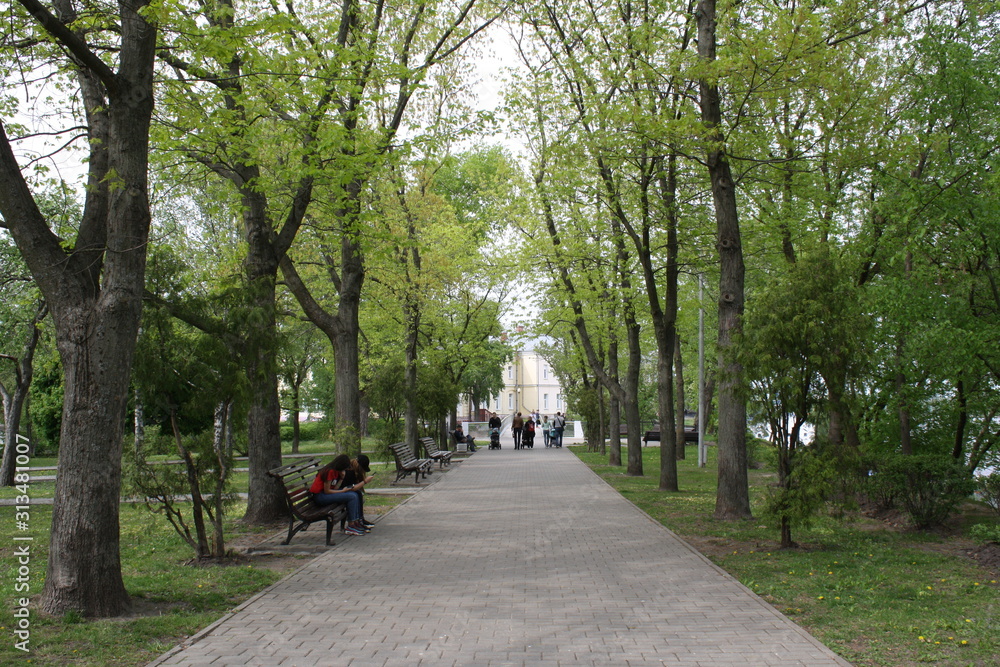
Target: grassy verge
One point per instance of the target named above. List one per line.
(875, 594)
(172, 598)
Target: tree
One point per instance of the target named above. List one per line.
(92, 285)
(21, 310)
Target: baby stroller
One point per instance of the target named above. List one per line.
(528, 436)
(494, 438)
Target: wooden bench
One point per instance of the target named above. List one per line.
(407, 463)
(690, 435)
(296, 478)
(436, 453)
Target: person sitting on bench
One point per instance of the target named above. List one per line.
(460, 437)
(325, 491)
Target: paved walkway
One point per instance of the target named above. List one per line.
(511, 558)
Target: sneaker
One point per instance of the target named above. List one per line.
(367, 523)
(351, 530)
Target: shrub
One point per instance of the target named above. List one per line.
(797, 502)
(308, 431)
(927, 487)
(989, 490)
(985, 533)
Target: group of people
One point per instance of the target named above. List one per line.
(342, 481)
(524, 430)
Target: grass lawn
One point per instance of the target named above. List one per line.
(874, 593)
(172, 598)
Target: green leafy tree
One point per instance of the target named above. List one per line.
(92, 277)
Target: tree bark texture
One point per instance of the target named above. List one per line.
(13, 401)
(265, 494)
(733, 495)
(94, 291)
(679, 400)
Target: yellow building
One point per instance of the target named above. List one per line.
(530, 385)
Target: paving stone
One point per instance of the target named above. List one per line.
(512, 558)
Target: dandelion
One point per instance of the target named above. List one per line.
(921, 638)
(976, 584)
(830, 572)
(964, 642)
(820, 597)
(968, 620)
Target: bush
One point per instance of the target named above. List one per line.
(308, 431)
(989, 490)
(985, 533)
(927, 487)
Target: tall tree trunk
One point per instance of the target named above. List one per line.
(265, 497)
(94, 291)
(345, 356)
(733, 496)
(138, 422)
(615, 422)
(221, 445)
(13, 400)
(679, 400)
(631, 393)
(410, 380)
(602, 423)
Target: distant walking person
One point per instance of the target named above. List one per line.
(558, 424)
(546, 427)
(516, 424)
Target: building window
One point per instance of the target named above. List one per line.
(510, 401)
(545, 401)
(545, 372)
(510, 372)
(559, 404)
(497, 403)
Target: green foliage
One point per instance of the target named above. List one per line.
(386, 431)
(46, 401)
(989, 490)
(170, 488)
(985, 533)
(805, 492)
(927, 487)
(308, 431)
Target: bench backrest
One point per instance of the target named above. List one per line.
(404, 455)
(297, 478)
(430, 446)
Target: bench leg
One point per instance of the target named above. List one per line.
(291, 531)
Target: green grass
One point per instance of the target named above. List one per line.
(874, 594)
(180, 598)
(172, 598)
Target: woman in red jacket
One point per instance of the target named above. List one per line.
(325, 492)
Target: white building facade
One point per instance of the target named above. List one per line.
(530, 384)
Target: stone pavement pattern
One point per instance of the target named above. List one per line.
(513, 558)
